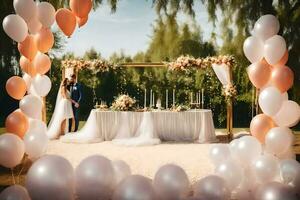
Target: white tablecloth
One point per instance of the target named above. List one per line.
(130, 127)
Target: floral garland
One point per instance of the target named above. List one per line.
(123, 103)
(185, 63)
(96, 65)
(229, 91)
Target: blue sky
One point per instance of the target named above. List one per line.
(128, 29)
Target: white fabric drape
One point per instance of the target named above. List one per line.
(222, 71)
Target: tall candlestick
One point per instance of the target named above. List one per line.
(167, 99)
(174, 97)
(153, 99)
(150, 98)
(145, 99)
(191, 97)
(202, 97)
(197, 98)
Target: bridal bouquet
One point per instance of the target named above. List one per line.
(123, 103)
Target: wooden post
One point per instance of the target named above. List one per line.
(230, 110)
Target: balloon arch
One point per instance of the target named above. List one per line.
(222, 66)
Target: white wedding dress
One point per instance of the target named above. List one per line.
(63, 111)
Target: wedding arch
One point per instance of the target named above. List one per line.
(222, 65)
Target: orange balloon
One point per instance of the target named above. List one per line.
(16, 87)
(282, 78)
(42, 63)
(81, 8)
(17, 123)
(44, 39)
(259, 73)
(283, 60)
(27, 66)
(28, 47)
(260, 126)
(82, 21)
(66, 21)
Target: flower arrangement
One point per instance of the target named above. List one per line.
(96, 65)
(123, 103)
(185, 63)
(180, 108)
(229, 91)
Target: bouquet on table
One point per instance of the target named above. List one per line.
(180, 108)
(123, 103)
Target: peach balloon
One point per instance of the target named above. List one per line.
(28, 47)
(260, 126)
(16, 87)
(81, 21)
(259, 73)
(42, 63)
(283, 60)
(17, 123)
(27, 66)
(44, 39)
(81, 8)
(66, 21)
(282, 78)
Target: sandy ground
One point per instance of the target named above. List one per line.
(193, 158)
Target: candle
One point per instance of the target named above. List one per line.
(202, 95)
(145, 99)
(150, 98)
(167, 98)
(153, 100)
(174, 97)
(191, 97)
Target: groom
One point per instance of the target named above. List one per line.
(76, 96)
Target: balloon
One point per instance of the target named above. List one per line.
(41, 85)
(44, 39)
(50, 177)
(82, 21)
(279, 139)
(171, 182)
(121, 170)
(253, 49)
(274, 49)
(81, 8)
(94, 178)
(285, 96)
(42, 63)
(231, 172)
(282, 78)
(259, 73)
(66, 21)
(270, 101)
(212, 187)
(27, 80)
(26, 9)
(36, 125)
(35, 143)
(288, 115)
(266, 26)
(15, 27)
(46, 14)
(265, 168)
(34, 25)
(15, 192)
(274, 191)
(289, 170)
(28, 47)
(260, 125)
(248, 148)
(16, 87)
(283, 60)
(31, 106)
(219, 153)
(11, 150)
(135, 187)
(27, 66)
(16, 123)
(288, 154)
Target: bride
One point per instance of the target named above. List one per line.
(62, 112)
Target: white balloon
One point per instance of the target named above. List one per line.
(219, 153)
(288, 115)
(26, 9)
(36, 125)
(41, 85)
(266, 26)
(31, 105)
(35, 143)
(15, 27)
(46, 14)
(289, 170)
(285, 96)
(274, 49)
(34, 25)
(254, 49)
(265, 168)
(27, 78)
(288, 154)
(121, 170)
(279, 140)
(270, 101)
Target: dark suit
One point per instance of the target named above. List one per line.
(76, 95)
